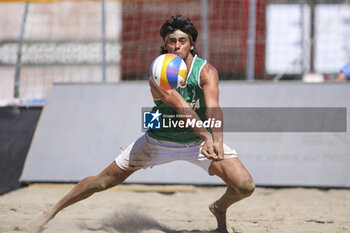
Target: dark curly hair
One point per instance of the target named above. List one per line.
(182, 23)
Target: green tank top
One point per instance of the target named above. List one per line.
(193, 94)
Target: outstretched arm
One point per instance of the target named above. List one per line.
(210, 83)
(175, 101)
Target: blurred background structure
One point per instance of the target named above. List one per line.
(43, 42)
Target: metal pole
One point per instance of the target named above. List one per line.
(103, 41)
(251, 42)
(302, 43)
(311, 37)
(19, 52)
(205, 29)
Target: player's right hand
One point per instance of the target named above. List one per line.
(208, 150)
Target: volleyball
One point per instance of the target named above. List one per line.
(168, 71)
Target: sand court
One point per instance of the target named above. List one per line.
(173, 208)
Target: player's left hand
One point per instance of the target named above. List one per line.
(208, 149)
(219, 149)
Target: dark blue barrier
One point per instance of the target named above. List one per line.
(17, 126)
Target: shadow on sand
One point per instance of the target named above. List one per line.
(135, 222)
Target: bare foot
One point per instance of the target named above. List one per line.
(37, 224)
(220, 218)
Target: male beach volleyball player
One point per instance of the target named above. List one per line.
(155, 147)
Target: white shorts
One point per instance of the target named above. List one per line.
(148, 152)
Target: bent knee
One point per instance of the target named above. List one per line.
(246, 187)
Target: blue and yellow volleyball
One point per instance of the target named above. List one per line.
(168, 71)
